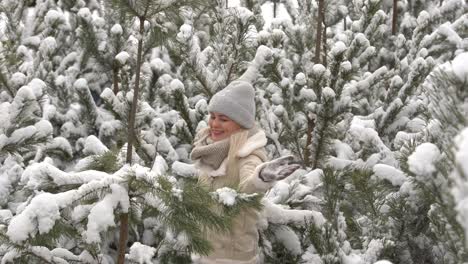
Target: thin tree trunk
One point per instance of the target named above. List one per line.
(344, 23)
(395, 16)
(123, 235)
(318, 46)
(324, 58)
(136, 92)
(115, 77)
(130, 140)
(227, 3)
(274, 7)
(318, 39)
(310, 130)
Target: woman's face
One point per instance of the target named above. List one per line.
(221, 126)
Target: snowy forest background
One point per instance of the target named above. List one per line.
(371, 98)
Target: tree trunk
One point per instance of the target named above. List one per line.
(115, 77)
(324, 58)
(130, 140)
(123, 238)
(310, 130)
(274, 7)
(318, 46)
(395, 15)
(318, 39)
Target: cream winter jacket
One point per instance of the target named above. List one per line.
(240, 244)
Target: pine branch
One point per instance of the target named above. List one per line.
(106, 162)
(4, 82)
(89, 40)
(181, 213)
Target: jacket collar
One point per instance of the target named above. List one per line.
(258, 140)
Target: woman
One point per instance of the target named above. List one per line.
(230, 153)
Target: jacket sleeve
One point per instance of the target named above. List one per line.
(249, 182)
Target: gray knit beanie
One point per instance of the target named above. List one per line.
(237, 102)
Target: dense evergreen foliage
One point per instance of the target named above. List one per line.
(379, 122)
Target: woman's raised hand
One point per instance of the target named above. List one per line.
(278, 169)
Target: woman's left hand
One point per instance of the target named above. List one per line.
(278, 169)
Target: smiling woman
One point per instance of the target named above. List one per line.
(230, 153)
(221, 126)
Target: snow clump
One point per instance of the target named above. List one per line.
(141, 254)
(421, 162)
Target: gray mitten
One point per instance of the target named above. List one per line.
(278, 169)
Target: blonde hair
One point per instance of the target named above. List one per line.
(236, 141)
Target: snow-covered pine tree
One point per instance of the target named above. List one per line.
(367, 160)
(38, 167)
(73, 218)
(365, 195)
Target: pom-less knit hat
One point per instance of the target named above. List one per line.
(237, 102)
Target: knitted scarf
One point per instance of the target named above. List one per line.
(211, 153)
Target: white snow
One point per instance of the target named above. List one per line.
(346, 66)
(421, 162)
(300, 79)
(108, 95)
(352, 259)
(24, 93)
(116, 29)
(5, 215)
(461, 156)
(53, 16)
(452, 36)
(460, 67)
(160, 166)
(101, 216)
(85, 14)
(185, 33)
(226, 196)
(80, 212)
(282, 14)
(390, 173)
(18, 79)
(21, 134)
(39, 215)
(159, 65)
(460, 178)
(177, 85)
(184, 169)
(277, 214)
(80, 84)
(44, 128)
(318, 69)
(338, 48)
(328, 94)
(141, 254)
(39, 174)
(279, 192)
(243, 13)
(423, 18)
(94, 146)
(48, 46)
(373, 251)
(307, 94)
(289, 239)
(122, 57)
(263, 56)
(66, 130)
(64, 254)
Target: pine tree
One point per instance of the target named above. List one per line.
(374, 122)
